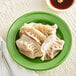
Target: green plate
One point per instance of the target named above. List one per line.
(39, 17)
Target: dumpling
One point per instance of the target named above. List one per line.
(28, 47)
(39, 40)
(51, 47)
(33, 33)
(46, 29)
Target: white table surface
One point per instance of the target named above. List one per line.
(10, 10)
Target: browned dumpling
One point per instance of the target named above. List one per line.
(51, 47)
(39, 40)
(46, 29)
(33, 33)
(29, 47)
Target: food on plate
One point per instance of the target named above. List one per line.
(51, 47)
(39, 40)
(29, 47)
(33, 33)
(46, 29)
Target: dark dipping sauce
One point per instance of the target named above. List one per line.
(64, 5)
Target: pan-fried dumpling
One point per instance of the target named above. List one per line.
(29, 47)
(33, 33)
(39, 40)
(51, 47)
(46, 29)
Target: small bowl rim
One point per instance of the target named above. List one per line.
(55, 9)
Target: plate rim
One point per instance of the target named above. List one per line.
(49, 14)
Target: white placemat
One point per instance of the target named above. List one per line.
(12, 9)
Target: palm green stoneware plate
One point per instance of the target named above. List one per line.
(63, 32)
